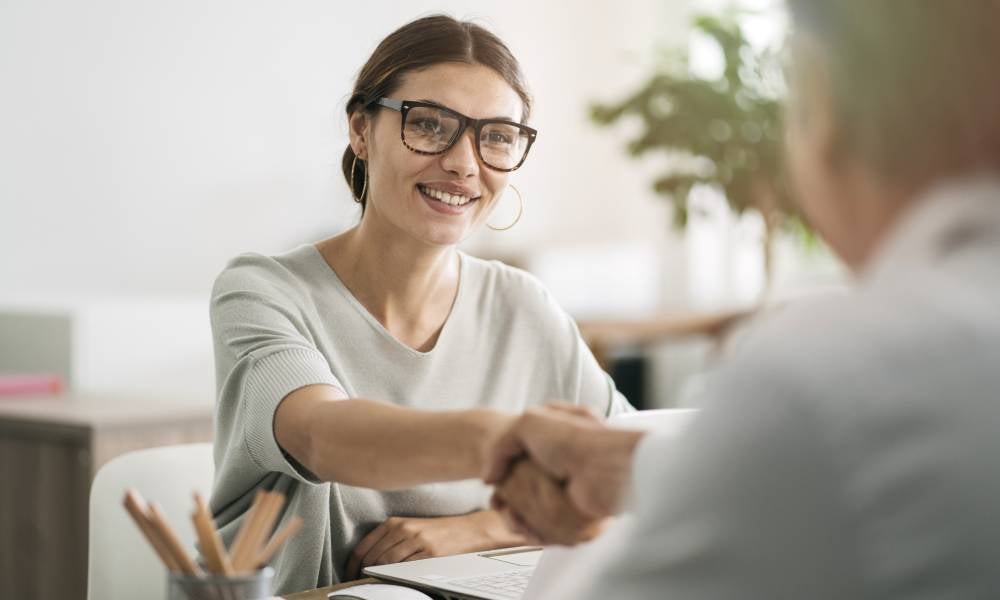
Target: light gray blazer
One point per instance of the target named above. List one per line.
(850, 449)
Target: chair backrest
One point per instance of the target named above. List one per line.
(122, 566)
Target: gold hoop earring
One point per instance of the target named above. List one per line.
(364, 185)
(520, 210)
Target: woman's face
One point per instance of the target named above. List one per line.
(402, 184)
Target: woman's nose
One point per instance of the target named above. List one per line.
(461, 158)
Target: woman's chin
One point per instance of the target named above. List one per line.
(446, 236)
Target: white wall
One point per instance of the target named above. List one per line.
(142, 142)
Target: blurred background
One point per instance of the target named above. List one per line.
(143, 144)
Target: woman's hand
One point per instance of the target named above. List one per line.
(591, 461)
(539, 508)
(401, 539)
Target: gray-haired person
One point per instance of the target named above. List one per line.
(849, 448)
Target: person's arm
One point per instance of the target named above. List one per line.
(281, 398)
(377, 445)
(400, 539)
(748, 504)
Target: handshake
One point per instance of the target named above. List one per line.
(559, 473)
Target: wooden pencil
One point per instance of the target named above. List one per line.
(211, 543)
(267, 526)
(259, 528)
(173, 543)
(238, 548)
(276, 541)
(253, 547)
(136, 507)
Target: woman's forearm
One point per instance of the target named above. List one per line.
(382, 446)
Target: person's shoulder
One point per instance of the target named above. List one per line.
(867, 322)
(817, 323)
(820, 347)
(509, 297)
(501, 280)
(264, 274)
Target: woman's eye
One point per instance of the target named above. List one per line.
(427, 125)
(497, 138)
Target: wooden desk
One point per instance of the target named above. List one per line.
(50, 449)
(604, 336)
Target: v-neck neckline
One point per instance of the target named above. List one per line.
(378, 326)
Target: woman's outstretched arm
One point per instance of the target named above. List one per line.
(377, 445)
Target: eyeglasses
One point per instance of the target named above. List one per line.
(428, 128)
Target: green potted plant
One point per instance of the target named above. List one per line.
(723, 132)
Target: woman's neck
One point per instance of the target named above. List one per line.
(409, 286)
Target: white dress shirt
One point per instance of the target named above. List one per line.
(850, 448)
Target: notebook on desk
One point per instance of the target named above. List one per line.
(506, 574)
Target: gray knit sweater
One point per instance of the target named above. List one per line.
(284, 322)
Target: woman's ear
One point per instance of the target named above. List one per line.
(359, 125)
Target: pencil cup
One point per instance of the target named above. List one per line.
(252, 586)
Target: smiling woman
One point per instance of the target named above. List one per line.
(359, 373)
(457, 165)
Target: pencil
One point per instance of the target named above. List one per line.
(238, 548)
(266, 528)
(258, 530)
(215, 553)
(173, 543)
(279, 538)
(136, 508)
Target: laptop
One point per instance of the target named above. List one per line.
(513, 573)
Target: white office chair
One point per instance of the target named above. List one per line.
(122, 565)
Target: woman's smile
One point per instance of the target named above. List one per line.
(448, 199)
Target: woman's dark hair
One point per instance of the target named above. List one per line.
(419, 44)
(914, 82)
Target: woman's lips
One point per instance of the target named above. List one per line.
(453, 195)
(443, 207)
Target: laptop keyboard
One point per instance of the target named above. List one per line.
(511, 584)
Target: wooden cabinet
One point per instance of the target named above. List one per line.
(50, 450)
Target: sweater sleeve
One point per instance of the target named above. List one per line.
(597, 390)
(263, 352)
(583, 380)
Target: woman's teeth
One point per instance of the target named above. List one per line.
(445, 197)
